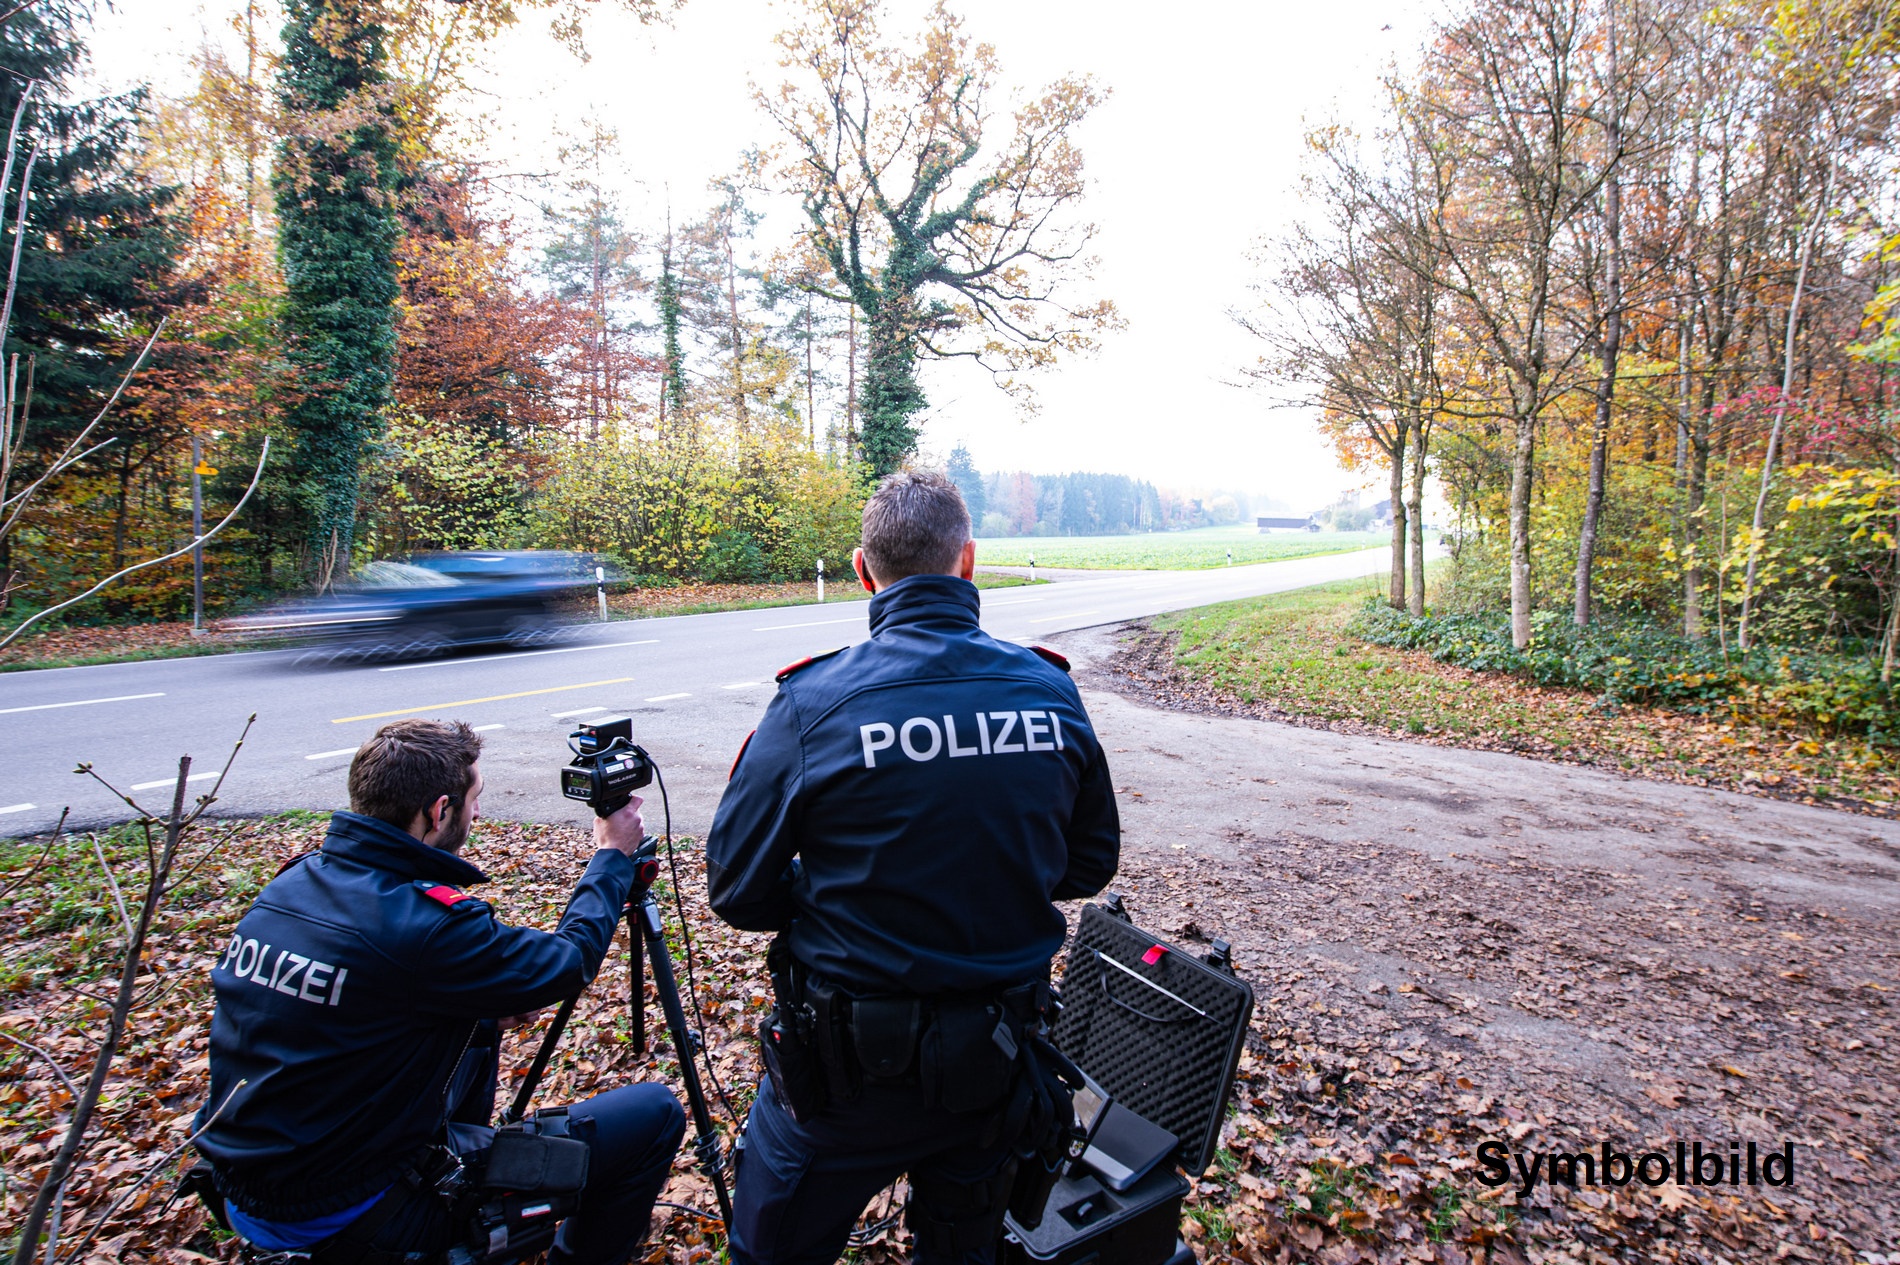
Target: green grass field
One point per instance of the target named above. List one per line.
(1170, 551)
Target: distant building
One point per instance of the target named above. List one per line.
(1269, 523)
(1382, 513)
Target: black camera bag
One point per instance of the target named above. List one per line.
(1161, 1030)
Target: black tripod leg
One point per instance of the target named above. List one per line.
(637, 977)
(706, 1141)
(539, 1067)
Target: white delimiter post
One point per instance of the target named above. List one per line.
(600, 590)
(1032, 568)
(821, 579)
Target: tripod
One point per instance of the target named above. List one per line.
(643, 925)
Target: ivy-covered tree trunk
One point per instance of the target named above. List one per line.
(891, 394)
(337, 242)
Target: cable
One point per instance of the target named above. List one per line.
(686, 942)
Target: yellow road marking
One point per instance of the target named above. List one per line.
(492, 698)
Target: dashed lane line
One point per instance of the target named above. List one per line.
(578, 711)
(172, 781)
(1074, 615)
(482, 729)
(331, 755)
(83, 702)
(666, 698)
(523, 654)
(741, 685)
(17, 808)
(489, 698)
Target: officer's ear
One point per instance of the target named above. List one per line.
(864, 572)
(966, 561)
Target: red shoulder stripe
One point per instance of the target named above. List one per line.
(447, 895)
(740, 756)
(1045, 652)
(790, 668)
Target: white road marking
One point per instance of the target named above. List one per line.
(1015, 601)
(524, 654)
(667, 698)
(84, 702)
(482, 729)
(331, 755)
(816, 623)
(740, 685)
(1077, 615)
(578, 711)
(16, 808)
(172, 781)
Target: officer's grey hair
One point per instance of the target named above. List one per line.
(408, 765)
(914, 524)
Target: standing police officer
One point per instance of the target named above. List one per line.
(358, 1006)
(904, 816)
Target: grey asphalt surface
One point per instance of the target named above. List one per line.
(695, 685)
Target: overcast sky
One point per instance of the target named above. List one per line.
(1191, 162)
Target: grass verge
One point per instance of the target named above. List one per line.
(1199, 550)
(1294, 657)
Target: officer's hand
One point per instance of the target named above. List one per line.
(623, 831)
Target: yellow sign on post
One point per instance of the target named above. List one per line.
(204, 470)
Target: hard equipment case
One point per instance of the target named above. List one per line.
(1161, 1030)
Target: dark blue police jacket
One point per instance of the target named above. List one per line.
(348, 995)
(939, 789)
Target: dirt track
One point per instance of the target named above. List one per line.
(1549, 954)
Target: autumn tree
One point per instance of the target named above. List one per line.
(951, 230)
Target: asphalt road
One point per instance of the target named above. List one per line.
(695, 685)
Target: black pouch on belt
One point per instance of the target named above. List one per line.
(884, 1035)
(969, 1056)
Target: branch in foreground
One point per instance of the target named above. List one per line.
(27, 623)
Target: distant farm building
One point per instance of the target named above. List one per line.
(1269, 523)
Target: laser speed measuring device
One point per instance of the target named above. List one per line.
(607, 768)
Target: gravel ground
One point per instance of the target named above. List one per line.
(1453, 946)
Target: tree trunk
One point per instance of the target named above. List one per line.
(1612, 344)
(1397, 504)
(1415, 512)
(1523, 470)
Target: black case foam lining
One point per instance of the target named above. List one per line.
(1154, 1053)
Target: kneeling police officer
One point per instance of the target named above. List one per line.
(359, 1003)
(904, 816)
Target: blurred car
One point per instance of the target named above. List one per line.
(434, 603)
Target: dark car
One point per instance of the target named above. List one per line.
(433, 603)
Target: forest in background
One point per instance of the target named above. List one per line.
(1622, 275)
(316, 263)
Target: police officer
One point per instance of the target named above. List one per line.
(358, 1005)
(904, 816)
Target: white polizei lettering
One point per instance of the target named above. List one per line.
(313, 981)
(243, 967)
(263, 955)
(1055, 720)
(297, 962)
(1002, 745)
(936, 738)
(885, 737)
(950, 740)
(1031, 721)
(336, 985)
(983, 733)
(230, 953)
(275, 971)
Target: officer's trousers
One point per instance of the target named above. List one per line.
(633, 1133)
(801, 1187)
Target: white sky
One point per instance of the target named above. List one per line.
(1191, 161)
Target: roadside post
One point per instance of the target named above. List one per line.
(1032, 568)
(1230, 557)
(821, 579)
(198, 470)
(600, 590)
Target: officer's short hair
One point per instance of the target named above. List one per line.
(914, 524)
(408, 765)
